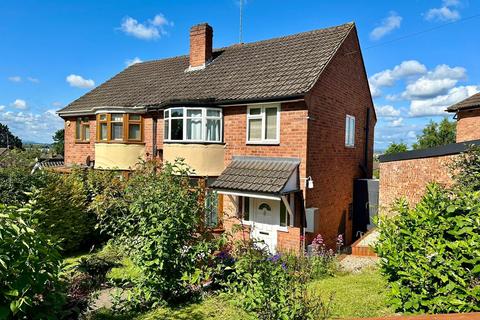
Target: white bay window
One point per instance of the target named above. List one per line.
(193, 125)
(263, 124)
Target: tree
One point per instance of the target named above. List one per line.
(7, 139)
(59, 141)
(396, 148)
(436, 134)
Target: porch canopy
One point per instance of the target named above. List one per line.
(259, 177)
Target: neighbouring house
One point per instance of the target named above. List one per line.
(278, 129)
(406, 174)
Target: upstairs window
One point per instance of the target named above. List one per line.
(192, 125)
(350, 131)
(119, 127)
(82, 129)
(263, 124)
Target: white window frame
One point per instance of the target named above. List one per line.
(184, 118)
(349, 131)
(262, 116)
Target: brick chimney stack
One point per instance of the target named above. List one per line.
(201, 40)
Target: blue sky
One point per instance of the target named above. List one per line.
(52, 52)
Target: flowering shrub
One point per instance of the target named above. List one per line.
(274, 286)
(323, 260)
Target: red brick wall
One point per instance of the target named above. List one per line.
(342, 89)
(289, 241)
(468, 125)
(78, 152)
(148, 134)
(408, 178)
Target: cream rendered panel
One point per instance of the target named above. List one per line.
(206, 160)
(118, 155)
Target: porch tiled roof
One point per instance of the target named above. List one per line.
(279, 67)
(257, 174)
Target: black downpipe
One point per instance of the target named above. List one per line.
(154, 137)
(367, 135)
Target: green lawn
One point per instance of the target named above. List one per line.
(356, 295)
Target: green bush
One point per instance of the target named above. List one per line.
(275, 287)
(430, 253)
(163, 231)
(29, 267)
(65, 215)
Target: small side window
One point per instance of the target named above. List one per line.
(350, 131)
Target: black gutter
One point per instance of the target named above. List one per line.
(214, 101)
(449, 149)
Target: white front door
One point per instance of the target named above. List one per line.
(266, 220)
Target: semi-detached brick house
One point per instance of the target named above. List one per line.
(279, 129)
(406, 174)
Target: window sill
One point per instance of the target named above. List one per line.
(119, 142)
(349, 147)
(192, 142)
(82, 142)
(263, 143)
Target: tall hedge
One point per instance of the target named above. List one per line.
(430, 253)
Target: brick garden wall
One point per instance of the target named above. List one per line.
(408, 178)
(468, 125)
(342, 89)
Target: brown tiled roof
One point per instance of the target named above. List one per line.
(471, 102)
(257, 174)
(280, 67)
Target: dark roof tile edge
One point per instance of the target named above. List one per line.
(449, 149)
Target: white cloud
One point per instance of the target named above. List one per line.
(435, 82)
(436, 105)
(2, 108)
(387, 111)
(79, 82)
(56, 104)
(390, 23)
(38, 127)
(19, 104)
(387, 78)
(149, 30)
(130, 62)
(396, 123)
(446, 12)
(34, 80)
(15, 79)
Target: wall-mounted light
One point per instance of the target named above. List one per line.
(309, 182)
(68, 123)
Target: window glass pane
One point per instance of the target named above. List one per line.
(103, 131)
(117, 117)
(86, 133)
(211, 211)
(177, 129)
(117, 131)
(271, 123)
(194, 113)
(165, 130)
(283, 214)
(246, 209)
(194, 129)
(77, 129)
(134, 131)
(134, 117)
(213, 130)
(103, 117)
(255, 130)
(177, 112)
(213, 113)
(85, 119)
(255, 111)
(166, 114)
(352, 131)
